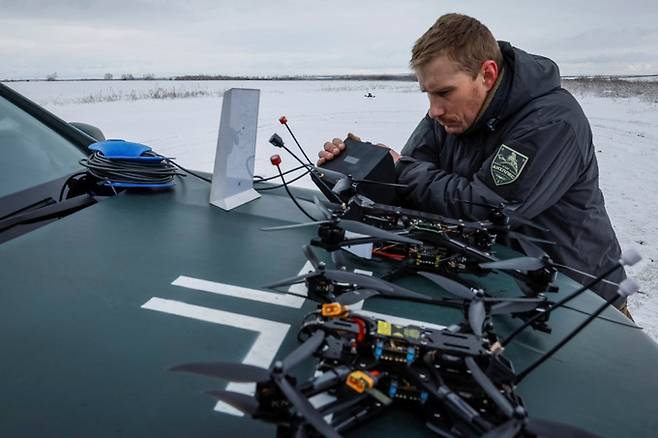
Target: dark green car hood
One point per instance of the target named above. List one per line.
(87, 338)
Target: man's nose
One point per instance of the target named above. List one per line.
(436, 110)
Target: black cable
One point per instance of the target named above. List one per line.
(277, 142)
(604, 318)
(130, 171)
(171, 161)
(559, 345)
(564, 300)
(281, 185)
(585, 274)
(300, 146)
(261, 179)
(285, 184)
(308, 166)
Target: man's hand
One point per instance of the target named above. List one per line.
(333, 148)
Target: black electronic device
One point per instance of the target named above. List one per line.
(364, 165)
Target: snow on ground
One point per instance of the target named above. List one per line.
(625, 134)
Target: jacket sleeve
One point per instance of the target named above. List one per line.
(531, 170)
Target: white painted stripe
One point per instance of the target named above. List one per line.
(231, 290)
(270, 336)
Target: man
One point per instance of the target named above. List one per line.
(501, 129)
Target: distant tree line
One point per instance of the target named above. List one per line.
(359, 77)
(623, 84)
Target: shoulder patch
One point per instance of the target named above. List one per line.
(507, 165)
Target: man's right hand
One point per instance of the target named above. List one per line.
(333, 148)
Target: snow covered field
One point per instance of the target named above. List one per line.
(181, 119)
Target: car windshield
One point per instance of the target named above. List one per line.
(31, 153)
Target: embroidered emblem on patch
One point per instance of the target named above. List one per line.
(507, 165)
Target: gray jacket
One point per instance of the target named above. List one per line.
(531, 147)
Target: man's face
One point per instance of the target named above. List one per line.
(455, 97)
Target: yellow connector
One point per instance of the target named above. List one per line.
(334, 310)
(360, 381)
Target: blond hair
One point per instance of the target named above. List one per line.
(462, 39)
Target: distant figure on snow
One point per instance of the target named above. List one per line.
(369, 94)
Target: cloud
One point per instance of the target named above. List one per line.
(84, 38)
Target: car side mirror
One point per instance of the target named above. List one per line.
(90, 130)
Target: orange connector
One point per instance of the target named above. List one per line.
(334, 310)
(360, 381)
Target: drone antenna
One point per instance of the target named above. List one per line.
(284, 121)
(277, 141)
(626, 288)
(628, 258)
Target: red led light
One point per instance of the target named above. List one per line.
(275, 160)
(283, 120)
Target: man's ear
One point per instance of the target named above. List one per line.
(489, 71)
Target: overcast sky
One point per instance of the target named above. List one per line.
(248, 37)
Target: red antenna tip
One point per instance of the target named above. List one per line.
(283, 120)
(275, 160)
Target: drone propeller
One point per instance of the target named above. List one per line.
(243, 373)
(398, 292)
(305, 408)
(451, 286)
(532, 250)
(339, 259)
(523, 237)
(369, 230)
(312, 257)
(305, 350)
(508, 307)
(354, 227)
(276, 374)
(517, 264)
(323, 209)
(487, 385)
(467, 293)
(244, 403)
(382, 287)
(476, 316)
(353, 297)
(234, 372)
(539, 428)
(477, 312)
(339, 277)
(300, 225)
(507, 211)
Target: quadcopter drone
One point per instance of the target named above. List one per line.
(415, 241)
(461, 383)
(347, 288)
